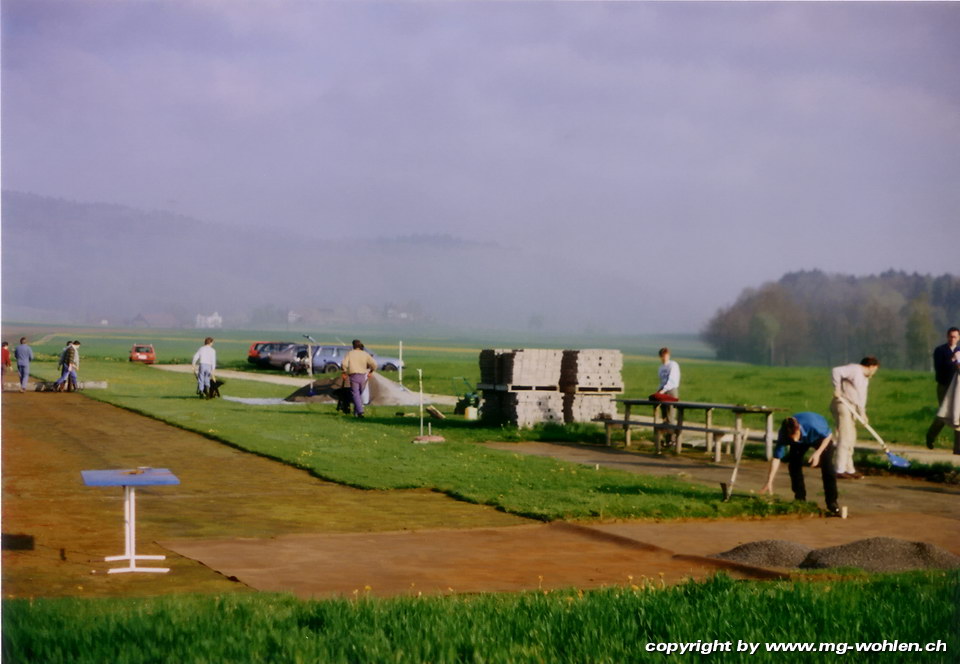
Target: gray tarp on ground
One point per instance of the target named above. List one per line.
(383, 392)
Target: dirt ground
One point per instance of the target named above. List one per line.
(872, 494)
(278, 528)
(49, 438)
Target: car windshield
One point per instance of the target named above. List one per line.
(143, 349)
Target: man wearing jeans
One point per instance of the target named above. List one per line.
(357, 367)
(204, 364)
(798, 434)
(944, 370)
(24, 355)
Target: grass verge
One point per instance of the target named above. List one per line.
(377, 453)
(619, 624)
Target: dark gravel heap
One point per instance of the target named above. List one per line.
(767, 553)
(882, 554)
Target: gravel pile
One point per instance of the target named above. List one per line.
(882, 554)
(876, 554)
(767, 553)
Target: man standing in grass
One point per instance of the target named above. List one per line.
(204, 364)
(944, 371)
(357, 367)
(798, 434)
(669, 376)
(850, 383)
(24, 355)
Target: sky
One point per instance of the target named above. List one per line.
(679, 152)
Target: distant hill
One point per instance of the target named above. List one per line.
(71, 261)
(815, 318)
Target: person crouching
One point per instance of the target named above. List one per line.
(802, 432)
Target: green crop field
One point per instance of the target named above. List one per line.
(620, 624)
(901, 405)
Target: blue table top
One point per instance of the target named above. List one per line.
(129, 477)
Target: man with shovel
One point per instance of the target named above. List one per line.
(850, 383)
(798, 434)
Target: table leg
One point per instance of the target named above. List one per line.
(738, 440)
(678, 432)
(626, 425)
(657, 435)
(130, 538)
(708, 424)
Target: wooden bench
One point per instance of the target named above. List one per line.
(715, 434)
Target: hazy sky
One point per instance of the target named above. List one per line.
(685, 150)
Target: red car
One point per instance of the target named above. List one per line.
(143, 353)
(259, 352)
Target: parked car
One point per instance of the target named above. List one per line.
(329, 359)
(253, 355)
(266, 349)
(287, 356)
(143, 353)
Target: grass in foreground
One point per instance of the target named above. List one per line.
(609, 625)
(377, 453)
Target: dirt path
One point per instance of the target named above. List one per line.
(49, 438)
(277, 528)
(880, 494)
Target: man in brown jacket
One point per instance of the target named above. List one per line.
(357, 366)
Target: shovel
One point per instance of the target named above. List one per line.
(727, 487)
(894, 459)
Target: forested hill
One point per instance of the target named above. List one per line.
(814, 318)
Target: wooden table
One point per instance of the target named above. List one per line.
(681, 425)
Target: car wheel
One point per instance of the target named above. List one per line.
(331, 368)
(389, 366)
(288, 367)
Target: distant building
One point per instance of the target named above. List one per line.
(162, 320)
(212, 322)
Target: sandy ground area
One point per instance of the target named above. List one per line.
(278, 528)
(49, 438)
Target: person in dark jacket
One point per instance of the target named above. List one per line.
(944, 370)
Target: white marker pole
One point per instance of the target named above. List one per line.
(401, 362)
(420, 376)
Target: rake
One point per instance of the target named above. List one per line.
(894, 459)
(727, 488)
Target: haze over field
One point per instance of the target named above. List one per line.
(625, 166)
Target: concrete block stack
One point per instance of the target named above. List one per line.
(589, 407)
(532, 385)
(521, 386)
(590, 380)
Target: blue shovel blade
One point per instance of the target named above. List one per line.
(898, 461)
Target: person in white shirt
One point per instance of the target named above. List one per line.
(669, 376)
(850, 383)
(204, 364)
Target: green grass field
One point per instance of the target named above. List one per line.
(609, 625)
(901, 405)
(377, 453)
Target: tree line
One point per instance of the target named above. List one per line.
(819, 319)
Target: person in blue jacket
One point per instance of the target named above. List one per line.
(24, 355)
(798, 434)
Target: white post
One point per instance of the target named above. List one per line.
(420, 377)
(310, 360)
(401, 363)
